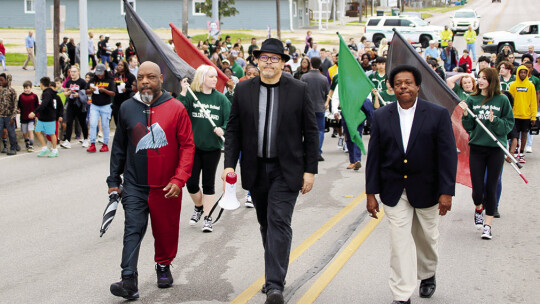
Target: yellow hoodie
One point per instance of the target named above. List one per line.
(524, 93)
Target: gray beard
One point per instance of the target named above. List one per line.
(147, 98)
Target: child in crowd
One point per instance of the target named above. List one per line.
(27, 103)
(47, 111)
(378, 77)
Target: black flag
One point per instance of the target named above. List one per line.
(149, 47)
(435, 90)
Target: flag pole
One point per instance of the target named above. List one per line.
(514, 162)
(205, 113)
(380, 98)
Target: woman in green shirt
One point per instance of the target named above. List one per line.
(465, 87)
(208, 143)
(388, 96)
(486, 158)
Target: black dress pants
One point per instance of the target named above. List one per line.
(274, 203)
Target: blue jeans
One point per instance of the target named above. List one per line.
(4, 123)
(95, 113)
(105, 58)
(355, 154)
(320, 125)
(472, 50)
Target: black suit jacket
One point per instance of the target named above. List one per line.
(297, 132)
(426, 170)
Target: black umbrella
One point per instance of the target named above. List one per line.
(110, 211)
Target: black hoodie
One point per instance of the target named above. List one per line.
(51, 107)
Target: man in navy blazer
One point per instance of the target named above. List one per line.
(411, 164)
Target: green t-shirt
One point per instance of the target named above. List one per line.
(536, 81)
(388, 98)
(251, 48)
(501, 125)
(203, 132)
(505, 85)
(460, 92)
(237, 70)
(378, 80)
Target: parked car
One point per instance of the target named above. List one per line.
(520, 36)
(413, 28)
(463, 18)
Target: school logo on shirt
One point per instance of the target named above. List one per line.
(522, 89)
(155, 139)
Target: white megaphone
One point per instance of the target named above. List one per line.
(229, 200)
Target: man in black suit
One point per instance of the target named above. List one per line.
(411, 164)
(272, 124)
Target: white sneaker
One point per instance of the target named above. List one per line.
(249, 202)
(65, 144)
(528, 149)
(345, 149)
(85, 143)
(207, 224)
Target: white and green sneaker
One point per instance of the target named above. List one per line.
(53, 154)
(44, 152)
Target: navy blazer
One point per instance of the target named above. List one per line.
(426, 170)
(297, 132)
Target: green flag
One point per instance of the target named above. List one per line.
(353, 87)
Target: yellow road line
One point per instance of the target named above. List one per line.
(254, 288)
(328, 275)
(498, 17)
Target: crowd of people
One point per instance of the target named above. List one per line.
(497, 90)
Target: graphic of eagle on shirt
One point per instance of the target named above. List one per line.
(155, 139)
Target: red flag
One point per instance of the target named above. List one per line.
(193, 56)
(435, 90)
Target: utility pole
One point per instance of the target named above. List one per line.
(215, 12)
(83, 25)
(185, 17)
(278, 20)
(360, 11)
(56, 38)
(40, 63)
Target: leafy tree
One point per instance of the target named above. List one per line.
(226, 9)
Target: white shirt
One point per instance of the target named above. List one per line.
(406, 117)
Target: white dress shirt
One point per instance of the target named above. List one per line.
(406, 117)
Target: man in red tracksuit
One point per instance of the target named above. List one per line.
(153, 148)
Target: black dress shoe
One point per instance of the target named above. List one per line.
(496, 214)
(274, 296)
(427, 287)
(402, 302)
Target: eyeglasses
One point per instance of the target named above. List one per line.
(273, 59)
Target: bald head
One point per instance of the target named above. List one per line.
(149, 66)
(149, 81)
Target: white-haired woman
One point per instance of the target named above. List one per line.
(208, 143)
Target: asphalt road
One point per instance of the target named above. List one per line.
(50, 213)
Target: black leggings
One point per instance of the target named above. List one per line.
(482, 159)
(207, 162)
(74, 112)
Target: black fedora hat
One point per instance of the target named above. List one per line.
(274, 46)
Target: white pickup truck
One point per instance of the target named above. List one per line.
(413, 28)
(520, 36)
